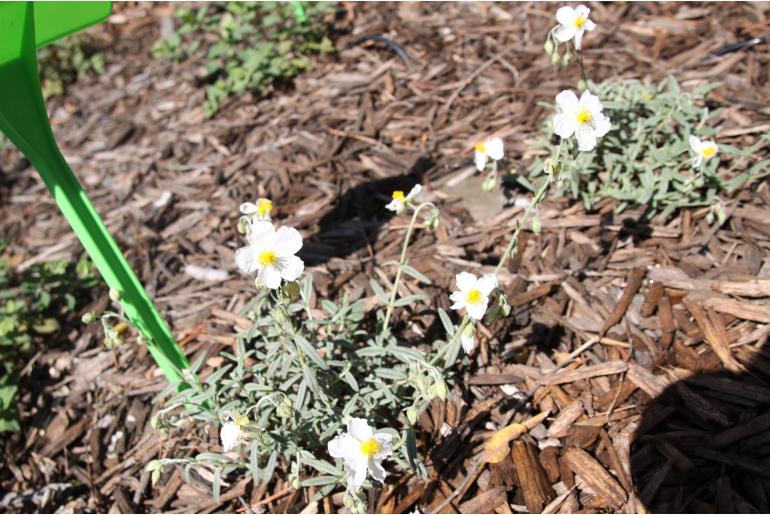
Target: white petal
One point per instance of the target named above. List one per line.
(357, 471)
(359, 429)
(246, 259)
(270, 277)
(487, 283)
(564, 125)
(465, 281)
(291, 268)
(395, 205)
(579, 38)
(695, 143)
(344, 446)
(566, 15)
(248, 208)
(386, 445)
(564, 33)
(567, 101)
(480, 160)
(414, 192)
(494, 148)
(230, 434)
(582, 10)
(376, 469)
(696, 161)
(468, 341)
(458, 299)
(586, 138)
(602, 125)
(261, 232)
(589, 25)
(288, 241)
(590, 102)
(476, 311)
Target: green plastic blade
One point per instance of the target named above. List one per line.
(24, 121)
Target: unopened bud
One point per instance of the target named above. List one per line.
(411, 415)
(489, 183)
(555, 58)
(90, 317)
(537, 225)
(115, 295)
(548, 47)
(565, 60)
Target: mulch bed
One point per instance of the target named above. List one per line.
(634, 358)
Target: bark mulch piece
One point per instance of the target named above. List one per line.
(634, 359)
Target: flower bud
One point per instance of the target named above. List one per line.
(243, 225)
(441, 390)
(537, 225)
(411, 415)
(555, 58)
(90, 317)
(290, 292)
(489, 183)
(114, 295)
(548, 47)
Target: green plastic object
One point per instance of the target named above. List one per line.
(24, 26)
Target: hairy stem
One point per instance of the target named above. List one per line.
(401, 263)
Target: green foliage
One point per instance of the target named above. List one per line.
(646, 159)
(62, 61)
(298, 376)
(33, 304)
(247, 46)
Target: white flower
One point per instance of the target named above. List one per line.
(399, 202)
(704, 150)
(491, 148)
(271, 254)
(573, 23)
(261, 209)
(362, 450)
(583, 118)
(468, 338)
(230, 435)
(473, 294)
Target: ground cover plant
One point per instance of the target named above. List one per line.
(295, 380)
(565, 404)
(34, 303)
(247, 46)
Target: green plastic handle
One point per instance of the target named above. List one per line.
(24, 121)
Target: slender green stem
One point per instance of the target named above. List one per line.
(583, 74)
(401, 263)
(512, 247)
(443, 350)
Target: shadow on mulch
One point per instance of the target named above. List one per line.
(355, 221)
(702, 446)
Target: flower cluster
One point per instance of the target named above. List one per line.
(270, 252)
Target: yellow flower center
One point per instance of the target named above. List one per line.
(264, 206)
(584, 116)
(709, 151)
(370, 447)
(480, 147)
(267, 258)
(474, 296)
(580, 21)
(398, 195)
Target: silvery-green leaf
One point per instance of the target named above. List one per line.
(310, 352)
(413, 272)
